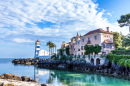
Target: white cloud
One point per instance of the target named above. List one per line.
(109, 14)
(70, 17)
(20, 40)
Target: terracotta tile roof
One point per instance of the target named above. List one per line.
(98, 31)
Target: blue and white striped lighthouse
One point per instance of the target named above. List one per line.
(37, 48)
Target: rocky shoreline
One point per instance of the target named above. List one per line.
(8, 79)
(108, 69)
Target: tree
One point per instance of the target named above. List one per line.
(87, 52)
(117, 39)
(55, 48)
(97, 49)
(61, 51)
(52, 46)
(124, 20)
(126, 41)
(49, 44)
(67, 51)
(91, 49)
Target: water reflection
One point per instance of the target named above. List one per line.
(67, 78)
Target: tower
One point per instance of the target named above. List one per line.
(37, 48)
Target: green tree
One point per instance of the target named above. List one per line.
(87, 52)
(67, 51)
(91, 49)
(97, 49)
(49, 44)
(124, 20)
(117, 39)
(55, 48)
(61, 51)
(52, 47)
(126, 41)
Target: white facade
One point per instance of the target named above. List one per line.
(43, 53)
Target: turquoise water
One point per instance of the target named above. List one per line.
(58, 77)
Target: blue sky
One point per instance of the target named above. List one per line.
(22, 22)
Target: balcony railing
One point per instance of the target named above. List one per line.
(88, 42)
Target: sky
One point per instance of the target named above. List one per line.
(22, 22)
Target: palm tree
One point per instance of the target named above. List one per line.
(55, 48)
(49, 44)
(126, 41)
(53, 45)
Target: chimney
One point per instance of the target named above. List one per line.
(107, 29)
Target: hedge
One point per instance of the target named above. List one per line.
(115, 58)
(120, 52)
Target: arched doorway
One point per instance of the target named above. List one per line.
(97, 61)
(92, 60)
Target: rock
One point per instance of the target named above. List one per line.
(114, 74)
(22, 62)
(10, 84)
(105, 70)
(24, 78)
(28, 63)
(43, 85)
(8, 76)
(16, 77)
(110, 71)
(1, 76)
(1, 84)
(11, 76)
(98, 71)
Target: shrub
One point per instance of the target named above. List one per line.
(63, 58)
(115, 58)
(70, 57)
(102, 55)
(121, 49)
(124, 62)
(67, 51)
(120, 52)
(83, 57)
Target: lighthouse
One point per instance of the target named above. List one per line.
(37, 48)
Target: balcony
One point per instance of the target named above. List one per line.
(88, 42)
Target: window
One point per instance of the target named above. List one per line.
(88, 38)
(82, 39)
(82, 53)
(84, 47)
(74, 49)
(78, 49)
(103, 46)
(95, 37)
(96, 44)
(81, 47)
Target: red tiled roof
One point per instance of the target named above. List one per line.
(98, 31)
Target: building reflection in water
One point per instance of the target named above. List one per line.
(67, 78)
